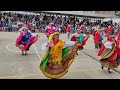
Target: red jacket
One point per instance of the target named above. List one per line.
(81, 27)
(118, 38)
(108, 30)
(97, 37)
(68, 28)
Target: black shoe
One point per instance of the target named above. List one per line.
(22, 54)
(110, 72)
(25, 53)
(102, 67)
(27, 49)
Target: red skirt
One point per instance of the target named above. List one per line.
(73, 38)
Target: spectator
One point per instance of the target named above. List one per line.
(10, 27)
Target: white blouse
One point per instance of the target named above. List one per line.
(108, 44)
(67, 44)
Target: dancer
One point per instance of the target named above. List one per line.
(108, 31)
(108, 53)
(80, 38)
(68, 30)
(25, 40)
(118, 43)
(98, 38)
(83, 28)
(50, 29)
(57, 56)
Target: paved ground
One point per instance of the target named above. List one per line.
(15, 66)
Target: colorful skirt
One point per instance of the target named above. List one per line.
(51, 70)
(84, 41)
(109, 58)
(109, 64)
(118, 56)
(25, 46)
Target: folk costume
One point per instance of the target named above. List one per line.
(25, 40)
(57, 56)
(108, 53)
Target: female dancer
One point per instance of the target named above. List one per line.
(57, 56)
(25, 40)
(108, 53)
(118, 42)
(80, 38)
(50, 29)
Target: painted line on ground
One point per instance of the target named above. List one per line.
(30, 75)
(7, 47)
(36, 51)
(20, 75)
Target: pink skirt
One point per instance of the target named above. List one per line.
(24, 47)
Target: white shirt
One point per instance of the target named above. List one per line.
(76, 34)
(108, 44)
(21, 30)
(67, 44)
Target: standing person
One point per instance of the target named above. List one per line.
(10, 27)
(15, 27)
(3, 25)
(71, 30)
(108, 30)
(101, 38)
(83, 28)
(108, 53)
(59, 29)
(68, 30)
(97, 40)
(58, 55)
(0, 26)
(28, 25)
(50, 29)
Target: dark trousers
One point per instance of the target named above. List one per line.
(98, 45)
(10, 29)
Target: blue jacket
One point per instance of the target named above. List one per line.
(26, 37)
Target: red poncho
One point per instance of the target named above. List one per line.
(97, 37)
(68, 28)
(81, 27)
(108, 30)
(118, 38)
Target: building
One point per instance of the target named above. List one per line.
(103, 12)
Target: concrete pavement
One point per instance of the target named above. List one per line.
(15, 66)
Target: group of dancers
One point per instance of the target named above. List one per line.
(58, 55)
(110, 52)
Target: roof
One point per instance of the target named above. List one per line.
(80, 13)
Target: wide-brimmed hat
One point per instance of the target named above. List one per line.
(52, 35)
(56, 33)
(109, 26)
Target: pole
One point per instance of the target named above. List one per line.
(26, 18)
